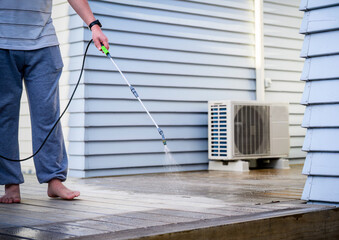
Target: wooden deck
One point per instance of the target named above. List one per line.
(159, 206)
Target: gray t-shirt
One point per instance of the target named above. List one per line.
(26, 24)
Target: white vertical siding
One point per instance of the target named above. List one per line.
(283, 64)
(178, 55)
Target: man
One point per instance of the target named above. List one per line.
(29, 50)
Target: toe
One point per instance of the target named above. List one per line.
(73, 195)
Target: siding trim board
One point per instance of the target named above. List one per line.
(320, 98)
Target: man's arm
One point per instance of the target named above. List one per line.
(85, 12)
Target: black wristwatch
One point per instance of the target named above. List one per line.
(96, 22)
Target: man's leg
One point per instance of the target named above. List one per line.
(41, 77)
(11, 65)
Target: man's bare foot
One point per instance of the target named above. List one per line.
(57, 189)
(12, 194)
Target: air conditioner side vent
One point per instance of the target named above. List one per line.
(218, 123)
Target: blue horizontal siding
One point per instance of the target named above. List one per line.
(321, 91)
(319, 20)
(138, 160)
(112, 105)
(322, 164)
(322, 189)
(320, 24)
(314, 4)
(135, 170)
(144, 133)
(104, 119)
(290, 3)
(170, 17)
(180, 31)
(324, 67)
(322, 140)
(314, 44)
(285, 8)
(170, 56)
(158, 93)
(189, 8)
(320, 116)
(171, 68)
(165, 80)
(242, 4)
(102, 148)
(197, 43)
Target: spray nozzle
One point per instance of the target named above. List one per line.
(162, 136)
(104, 49)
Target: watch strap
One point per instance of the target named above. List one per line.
(95, 22)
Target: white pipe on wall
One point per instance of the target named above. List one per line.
(259, 50)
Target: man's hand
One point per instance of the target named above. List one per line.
(99, 37)
(84, 11)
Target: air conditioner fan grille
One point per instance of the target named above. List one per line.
(251, 130)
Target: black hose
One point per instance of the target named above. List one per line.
(62, 114)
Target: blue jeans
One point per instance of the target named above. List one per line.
(41, 70)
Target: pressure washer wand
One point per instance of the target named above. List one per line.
(104, 49)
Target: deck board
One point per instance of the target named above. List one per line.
(132, 206)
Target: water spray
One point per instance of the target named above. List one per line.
(104, 49)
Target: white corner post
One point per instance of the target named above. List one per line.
(259, 49)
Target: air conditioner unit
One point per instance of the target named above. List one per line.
(247, 130)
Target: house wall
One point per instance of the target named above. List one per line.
(178, 55)
(321, 28)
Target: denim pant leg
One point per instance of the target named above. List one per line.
(11, 65)
(41, 76)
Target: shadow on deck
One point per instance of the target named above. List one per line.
(261, 204)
